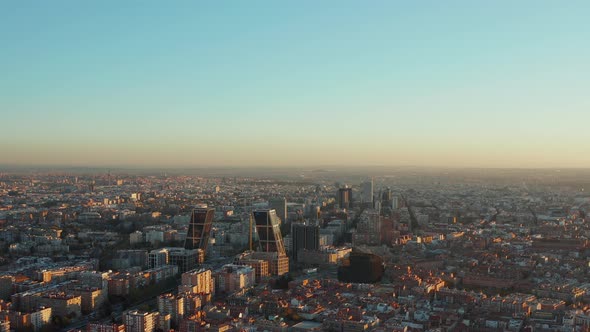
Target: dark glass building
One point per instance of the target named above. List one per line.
(361, 268)
(199, 229)
(304, 237)
(345, 198)
(269, 232)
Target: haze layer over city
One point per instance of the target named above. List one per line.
(294, 166)
(196, 84)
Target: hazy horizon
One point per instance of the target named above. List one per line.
(205, 84)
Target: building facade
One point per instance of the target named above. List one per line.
(197, 236)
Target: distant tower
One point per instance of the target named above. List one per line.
(279, 204)
(386, 197)
(197, 236)
(345, 198)
(367, 193)
(395, 202)
(269, 232)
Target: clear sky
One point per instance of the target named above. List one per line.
(292, 83)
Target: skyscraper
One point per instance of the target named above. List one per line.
(272, 248)
(304, 237)
(279, 204)
(367, 193)
(269, 232)
(197, 236)
(386, 197)
(345, 197)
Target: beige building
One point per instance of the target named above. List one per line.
(92, 298)
(197, 282)
(260, 267)
(140, 321)
(34, 320)
(278, 264)
(62, 304)
(232, 278)
(171, 304)
(5, 325)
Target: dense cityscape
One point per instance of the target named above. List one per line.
(293, 166)
(316, 251)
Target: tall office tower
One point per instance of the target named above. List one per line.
(304, 237)
(279, 204)
(199, 229)
(367, 193)
(269, 232)
(395, 202)
(386, 197)
(345, 198)
(271, 241)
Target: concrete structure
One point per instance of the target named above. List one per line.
(277, 264)
(34, 320)
(62, 304)
(92, 298)
(173, 305)
(125, 259)
(260, 267)
(94, 279)
(140, 321)
(197, 282)
(185, 259)
(232, 278)
(97, 327)
(159, 257)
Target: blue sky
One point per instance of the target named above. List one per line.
(196, 83)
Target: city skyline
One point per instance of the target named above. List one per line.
(453, 84)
